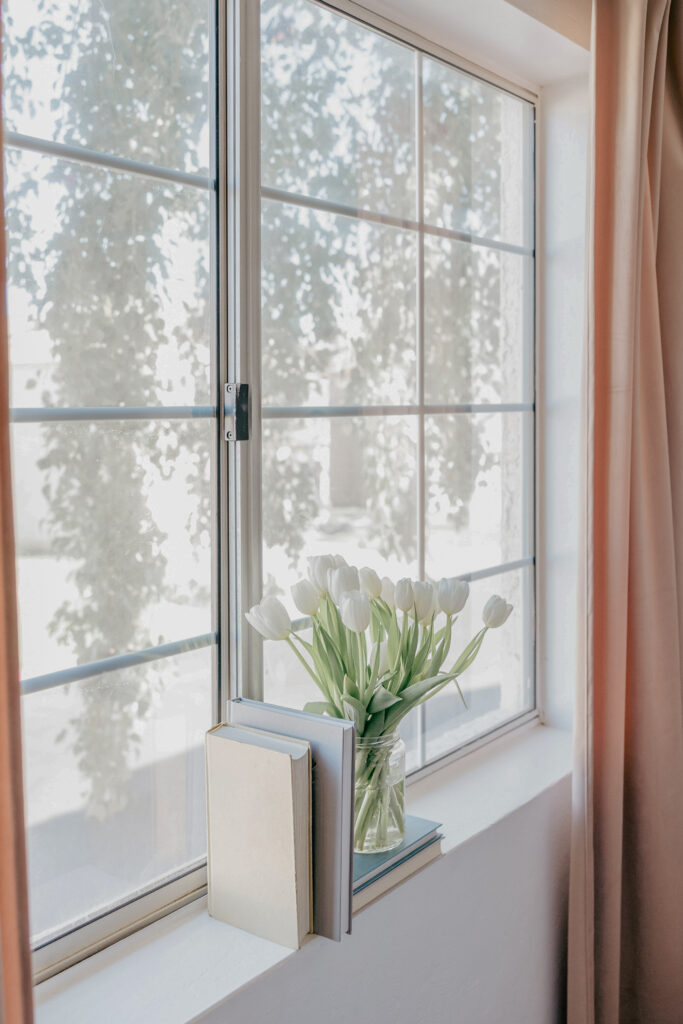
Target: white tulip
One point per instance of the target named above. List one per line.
(424, 596)
(318, 568)
(306, 597)
(370, 582)
(496, 612)
(342, 580)
(355, 611)
(339, 561)
(403, 595)
(388, 591)
(270, 618)
(453, 594)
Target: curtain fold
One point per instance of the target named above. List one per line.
(15, 963)
(626, 892)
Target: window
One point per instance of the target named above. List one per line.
(111, 209)
(397, 339)
(374, 285)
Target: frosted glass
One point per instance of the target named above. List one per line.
(479, 485)
(337, 109)
(114, 783)
(338, 320)
(478, 324)
(478, 162)
(130, 79)
(109, 286)
(112, 525)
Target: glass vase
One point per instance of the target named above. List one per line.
(379, 817)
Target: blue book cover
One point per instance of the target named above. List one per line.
(420, 832)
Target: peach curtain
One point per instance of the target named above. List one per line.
(15, 964)
(626, 893)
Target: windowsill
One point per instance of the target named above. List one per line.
(182, 965)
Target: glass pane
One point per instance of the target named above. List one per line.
(338, 310)
(130, 79)
(478, 323)
(114, 782)
(478, 162)
(109, 296)
(113, 533)
(337, 109)
(344, 486)
(479, 491)
(498, 685)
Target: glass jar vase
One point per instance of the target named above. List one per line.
(379, 815)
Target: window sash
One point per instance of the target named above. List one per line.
(247, 677)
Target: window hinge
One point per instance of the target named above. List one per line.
(236, 411)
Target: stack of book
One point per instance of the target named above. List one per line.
(376, 873)
(280, 794)
(280, 822)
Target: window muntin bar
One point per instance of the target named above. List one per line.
(115, 663)
(325, 206)
(115, 163)
(94, 413)
(274, 412)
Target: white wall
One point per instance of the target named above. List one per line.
(476, 938)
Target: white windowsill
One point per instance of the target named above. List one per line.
(179, 967)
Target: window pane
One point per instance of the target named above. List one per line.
(477, 156)
(342, 485)
(109, 286)
(114, 782)
(478, 323)
(337, 109)
(499, 685)
(130, 79)
(113, 524)
(338, 310)
(479, 491)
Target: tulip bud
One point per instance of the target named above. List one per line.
(342, 580)
(496, 612)
(339, 561)
(318, 568)
(306, 597)
(403, 595)
(424, 596)
(370, 582)
(387, 594)
(270, 618)
(453, 594)
(355, 611)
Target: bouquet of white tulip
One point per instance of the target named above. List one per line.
(377, 651)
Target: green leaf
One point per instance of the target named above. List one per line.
(322, 707)
(375, 725)
(355, 711)
(350, 689)
(382, 699)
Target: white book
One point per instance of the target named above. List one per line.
(259, 832)
(332, 749)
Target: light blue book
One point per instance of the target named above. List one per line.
(367, 867)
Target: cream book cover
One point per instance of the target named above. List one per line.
(259, 832)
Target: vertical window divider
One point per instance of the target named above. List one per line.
(242, 524)
(421, 466)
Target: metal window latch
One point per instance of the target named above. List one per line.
(236, 411)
